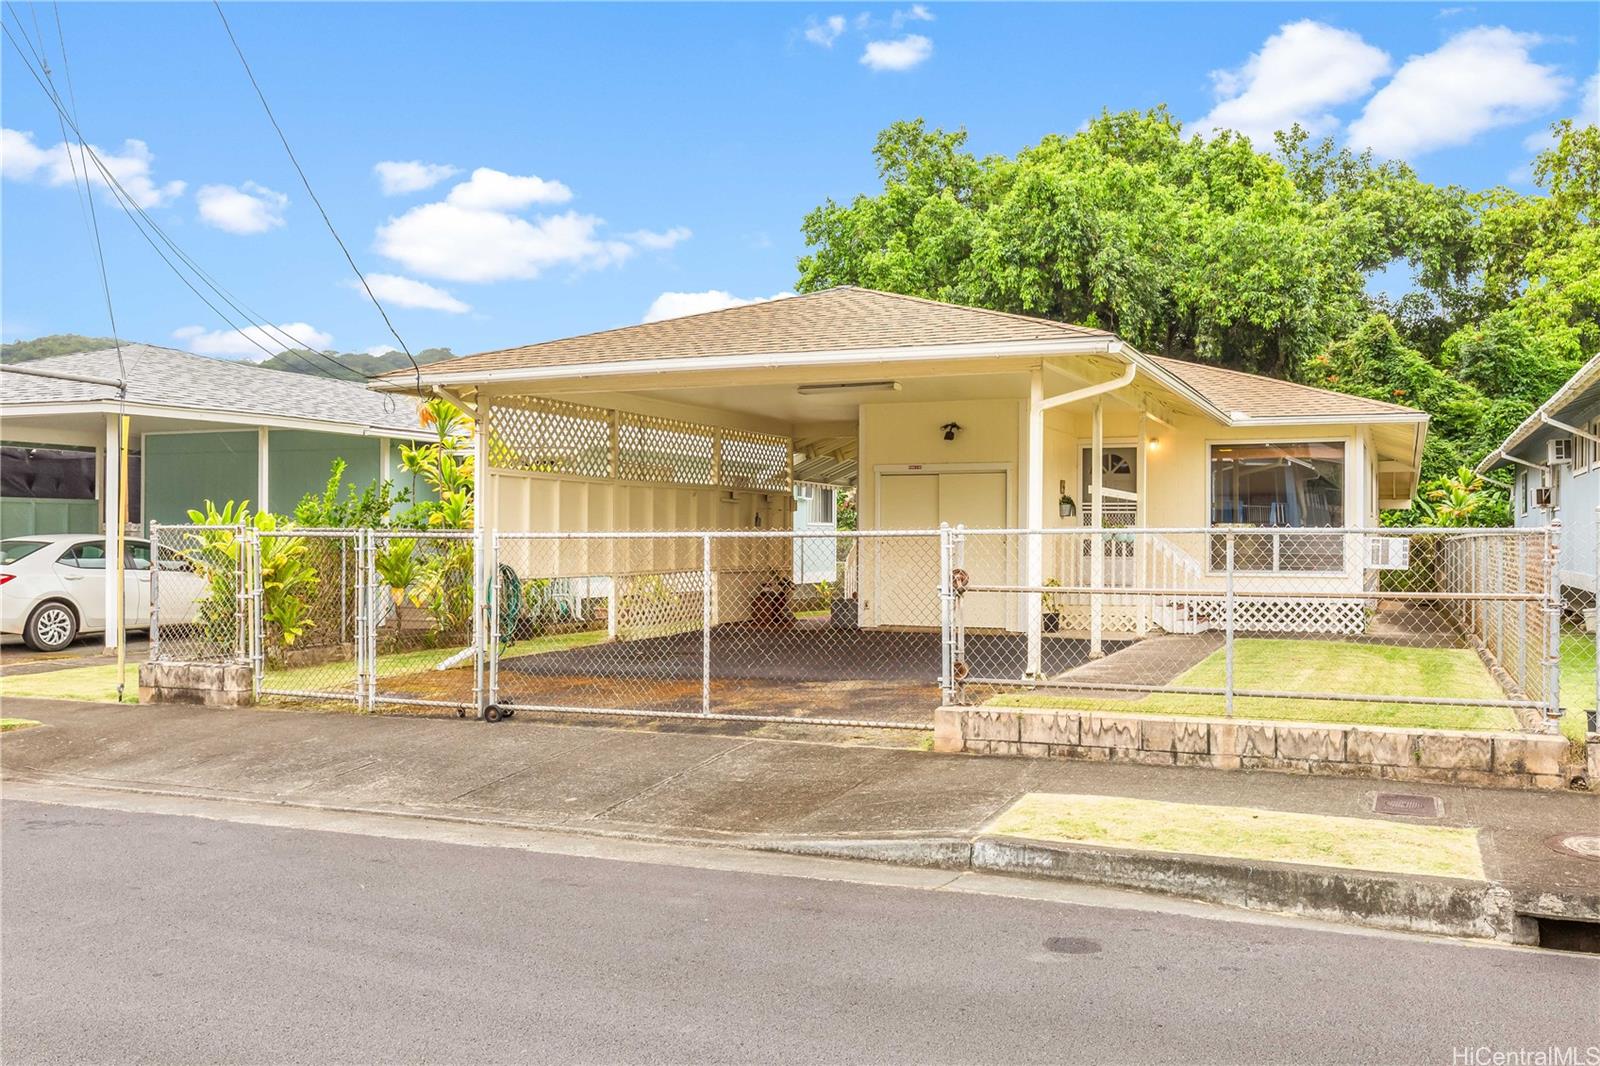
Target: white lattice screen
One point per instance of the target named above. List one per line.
(755, 461)
(665, 450)
(550, 436)
(556, 437)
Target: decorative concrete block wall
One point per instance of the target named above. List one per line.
(211, 684)
(1499, 760)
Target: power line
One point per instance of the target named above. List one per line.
(142, 219)
(312, 193)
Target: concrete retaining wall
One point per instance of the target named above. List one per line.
(1498, 760)
(210, 684)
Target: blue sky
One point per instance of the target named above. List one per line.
(585, 160)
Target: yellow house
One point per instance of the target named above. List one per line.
(936, 414)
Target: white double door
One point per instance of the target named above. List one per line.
(908, 573)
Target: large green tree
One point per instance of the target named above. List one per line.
(1268, 261)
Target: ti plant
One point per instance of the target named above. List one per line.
(287, 577)
(399, 567)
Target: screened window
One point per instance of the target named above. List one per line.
(824, 506)
(1283, 486)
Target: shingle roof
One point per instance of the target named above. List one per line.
(839, 319)
(1262, 397)
(169, 378)
(1580, 389)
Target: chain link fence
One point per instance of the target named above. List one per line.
(1446, 628)
(1450, 629)
(199, 591)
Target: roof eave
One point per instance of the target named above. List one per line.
(755, 361)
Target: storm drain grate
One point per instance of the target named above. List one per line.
(1406, 804)
(1583, 845)
(1072, 945)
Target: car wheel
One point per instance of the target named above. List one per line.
(51, 627)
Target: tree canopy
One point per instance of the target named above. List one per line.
(1274, 262)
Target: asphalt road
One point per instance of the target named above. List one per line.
(151, 937)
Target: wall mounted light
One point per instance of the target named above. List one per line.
(950, 430)
(1155, 444)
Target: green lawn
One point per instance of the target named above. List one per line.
(1321, 666)
(96, 684)
(1245, 833)
(8, 724)
(1577, 682)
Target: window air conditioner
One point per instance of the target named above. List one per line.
(1560, 450)
(1388, 553)
(1541, 496)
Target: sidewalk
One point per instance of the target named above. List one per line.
(703, 787)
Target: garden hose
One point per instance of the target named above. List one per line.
(510, 605)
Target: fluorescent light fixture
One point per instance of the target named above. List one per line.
(849, 386)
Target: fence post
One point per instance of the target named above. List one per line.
(705, 623)
(1596, 614)
(1227, 631)
(361, 605)
(369, 575)
(493, 649)
(483, 606)
(155, 590)
(947, 682)
(258, 625)
(241, 594)
(1552, 578)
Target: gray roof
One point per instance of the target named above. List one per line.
(1581, 390)
(165, 377)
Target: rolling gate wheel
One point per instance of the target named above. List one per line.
(510, 612)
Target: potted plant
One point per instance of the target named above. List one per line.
(1052, 608)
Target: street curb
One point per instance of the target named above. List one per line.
(1420, 904)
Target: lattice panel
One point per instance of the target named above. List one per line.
(664, 450)
(659, 604)
(1286, 615)
(755, 461)
(550, 436)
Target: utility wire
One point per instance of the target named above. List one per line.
(417, 369)
(292, 346)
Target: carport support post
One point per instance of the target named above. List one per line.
(1033, 521)
(705, 624)
(111, 473)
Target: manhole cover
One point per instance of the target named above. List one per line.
(1583, 845)
(1072, 945)
(1406, 804)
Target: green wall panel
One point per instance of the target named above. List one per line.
(299, 461)
(183, 470)
(25, 517)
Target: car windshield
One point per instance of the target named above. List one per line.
(14, 551)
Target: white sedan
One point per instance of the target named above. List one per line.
(53, 588)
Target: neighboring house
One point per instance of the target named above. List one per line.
(200, 429)
(816, 510)
(937, 414)
(1553, 458)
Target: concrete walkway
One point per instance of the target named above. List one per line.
(693, 785)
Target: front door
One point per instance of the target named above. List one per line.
(1119, 478)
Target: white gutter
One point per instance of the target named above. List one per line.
(1099, 388)
(204, 414)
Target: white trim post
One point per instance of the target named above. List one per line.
(1097, 555)
(1033, 522)
(112, 499)
(263, 473)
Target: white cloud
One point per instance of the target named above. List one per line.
(22, 160)
(242, 344)
(495, 190)
(245, 209)
(379, 349)
(1301, 72)
(678, 304)
(445, 240)
(915, 13)
(903, 54)
(408, 292)
(827, 31)
(397, 178)
(1589, 109)
(1478, 80)
(659, 242)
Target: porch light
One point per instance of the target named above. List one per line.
(1155, 444)
(950, 430)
